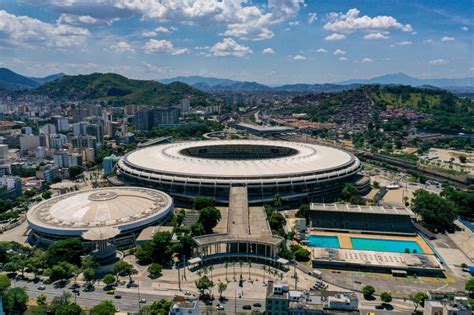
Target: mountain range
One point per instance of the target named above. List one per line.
(10, 80)
(217, 84)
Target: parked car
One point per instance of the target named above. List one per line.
(42, 288)
(257, 305)
(247, 307)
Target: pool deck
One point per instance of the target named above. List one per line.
(346, 243)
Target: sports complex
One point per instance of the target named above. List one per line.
(296, 171)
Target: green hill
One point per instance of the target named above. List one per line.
(120, 90)
(448, 112)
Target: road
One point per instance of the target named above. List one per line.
(129, 297)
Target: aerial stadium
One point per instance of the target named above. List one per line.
(296, 171)
(118, 213)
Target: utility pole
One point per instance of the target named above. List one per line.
(179, 278)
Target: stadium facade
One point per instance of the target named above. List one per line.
(296, 171)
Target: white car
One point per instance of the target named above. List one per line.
(220, 307)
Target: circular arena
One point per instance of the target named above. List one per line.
(127, 209)
(297, 171)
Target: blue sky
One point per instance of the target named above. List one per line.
(269, 41)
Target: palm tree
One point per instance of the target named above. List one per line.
(241, 263)
(226, 265)
(264, 268)
(250, 267)
(210, 269)
(233, 265)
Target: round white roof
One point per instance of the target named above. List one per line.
(172, 159)
(121, 207)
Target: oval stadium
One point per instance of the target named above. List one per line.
(296, 171)
(128, 209)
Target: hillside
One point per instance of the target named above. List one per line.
(445, 112)
(402, 78)
(120, 90)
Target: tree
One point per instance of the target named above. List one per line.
(418, 298)
(386, 297)
(123, 268)
(470, 286)
(109, 280)
(304, 212)
(277, 200)
(15, 300)
(46, 194)
(349, 191)
(69, 250)
(159, 249)
(68, 309)
(302, 254)
(62, 271)
(41, 299)
(209, 217)
(160, 307)
(436, 211)
(203, 284)
(221, 287)
(462, 159)
(89, 275)
(368, 291)
(201, 202)
(75, 171)
(5, 283)
(155, 270)
(103, 308)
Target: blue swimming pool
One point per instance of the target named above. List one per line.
(396, 246)
(323, 241)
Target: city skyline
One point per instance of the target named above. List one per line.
(272, 42)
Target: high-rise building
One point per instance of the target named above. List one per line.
(158, 116)
(48, 129)
(3, 154)
(62, 124)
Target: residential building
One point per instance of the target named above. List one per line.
(10, 187)
(276, 302)
(48, 129)
(108, 163)
(189, 307)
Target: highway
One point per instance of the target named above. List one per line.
(129, 297)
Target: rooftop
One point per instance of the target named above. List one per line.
(340, 207)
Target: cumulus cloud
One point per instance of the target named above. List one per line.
(154, 46)
(351, 21)
(229, 47)
(322, 50)
(162, 29)
(438, 62)
(335, 36)
(375, 36)
(268, 51)
(123, 47)
(404, 43)
(242, 19)
(82, 20)
(299, 57)
(312, 17)
(366, 60)
(464, 28)
(343, 59)
(30, 32)
(447, 39)
(338, 52)
(149, 34)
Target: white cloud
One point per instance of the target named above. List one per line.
(404, 43)
(241, 19)
(438, 62)
(30, 32)
(229, 47)
(343, 59)
(464, 28)
(82, 20)
(335, 36)
(162, 29)
(298, 57)
(312, 17)
(154, 46)
(322, 50)
(338, 52)
(429, 40)
(268, 51)
(447, 39)
(149, 34)
(366, 60)
(352, 22)
(294, 23)
(375, 36)
(123, 47)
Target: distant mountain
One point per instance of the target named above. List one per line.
(10, 80)
(314, 88)
(195, 79)
(119, 89)
(401, 78)
(48, 78)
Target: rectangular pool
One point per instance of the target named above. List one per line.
(323, 241)
(396, 246)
